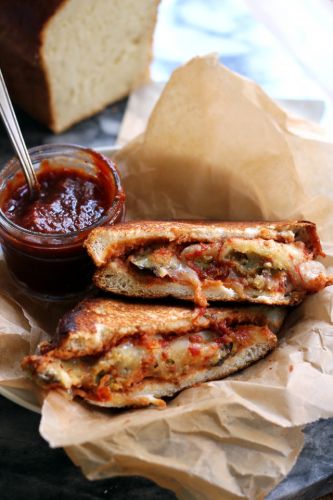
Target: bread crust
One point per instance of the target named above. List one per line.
(105, 243)
(109, 248)
(110, 322)
(79, 335)
(21, 28)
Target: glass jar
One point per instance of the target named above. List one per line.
(56, 266)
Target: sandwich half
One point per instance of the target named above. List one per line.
(119, 354)
(260, 262)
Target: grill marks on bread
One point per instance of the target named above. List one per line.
(116, 354)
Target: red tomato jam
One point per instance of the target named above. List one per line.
(42, 238)
(69, 200)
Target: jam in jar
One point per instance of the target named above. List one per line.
(42, 237)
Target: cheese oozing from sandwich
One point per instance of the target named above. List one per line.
(146, 352)
(270, 263)
(245, 267)
(135, 359)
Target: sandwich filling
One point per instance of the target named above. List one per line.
(245, 268)
(112, 376)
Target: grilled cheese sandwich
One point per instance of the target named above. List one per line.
(270, 263)
(115, 354)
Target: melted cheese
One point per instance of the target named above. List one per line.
(282, 255)
(311, 270)
(131, 361)
(163, 262)
(250, 265)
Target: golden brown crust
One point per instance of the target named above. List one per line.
(259, 341)
(98, 324)
(21, 24)
(22, 29)
(105, 243)
(244, 336)
(21, 32)
(110, 248)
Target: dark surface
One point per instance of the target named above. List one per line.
(99, 131)
(30, 470)
(312, 475)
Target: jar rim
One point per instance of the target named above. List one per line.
(54, 150)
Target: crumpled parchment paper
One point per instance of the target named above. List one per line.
(216, 146)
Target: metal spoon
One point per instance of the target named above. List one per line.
(15, 135)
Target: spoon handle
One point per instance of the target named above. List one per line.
(8, 116)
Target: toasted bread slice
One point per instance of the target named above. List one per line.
(116, 354)
(268, 263)
(105, 243)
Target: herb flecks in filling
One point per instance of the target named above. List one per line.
(246, 267)
(161, 357)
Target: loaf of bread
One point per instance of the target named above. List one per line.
(64, 60)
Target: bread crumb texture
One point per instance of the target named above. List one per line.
(95, 52)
